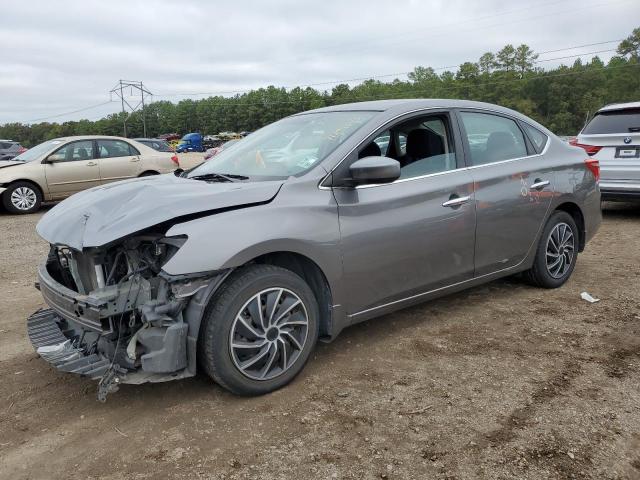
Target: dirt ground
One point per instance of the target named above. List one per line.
(501, 381)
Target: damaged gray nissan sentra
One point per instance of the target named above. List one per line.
(313, 223)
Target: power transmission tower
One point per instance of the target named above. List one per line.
(119, 89)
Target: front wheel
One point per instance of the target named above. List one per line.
(557, 252)
(22, 197)
(259, 330)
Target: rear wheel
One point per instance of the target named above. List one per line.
(557, 252)
(22, 197)
(148, 173)
(259, 330)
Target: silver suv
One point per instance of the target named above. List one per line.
(613, 138)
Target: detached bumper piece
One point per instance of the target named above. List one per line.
(45, 332)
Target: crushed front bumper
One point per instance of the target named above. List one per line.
(46, 330)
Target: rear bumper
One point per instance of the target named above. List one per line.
(619, 190)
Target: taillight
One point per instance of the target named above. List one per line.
(174, 159)
(594, 166)
(21, 150)
(590, 149)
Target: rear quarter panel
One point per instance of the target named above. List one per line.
(158, 162)
(575, 183)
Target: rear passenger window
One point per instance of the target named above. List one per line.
(115, 148)
(492, 138)
(538, 138)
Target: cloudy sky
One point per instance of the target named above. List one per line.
(62, 56)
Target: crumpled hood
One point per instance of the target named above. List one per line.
(9, 163)
(103, 214)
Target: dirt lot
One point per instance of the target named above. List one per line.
(502, 381)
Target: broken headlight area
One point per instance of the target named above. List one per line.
(114, 314)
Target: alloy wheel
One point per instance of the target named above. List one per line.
(560, 250)
(269, 333)
(23, 198)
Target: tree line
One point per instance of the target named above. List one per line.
(561, 98)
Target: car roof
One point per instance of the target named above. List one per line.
(409, 103)
(619, 106)
(406, 105)
(90, 137)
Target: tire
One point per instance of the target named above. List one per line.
(546, 272)
(22, 197)
(148, 173)
(278, 352)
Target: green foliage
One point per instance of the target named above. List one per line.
(562, 98)
(631, 45)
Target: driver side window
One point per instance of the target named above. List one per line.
(74, 151)
(422, 145)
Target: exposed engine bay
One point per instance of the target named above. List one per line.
(123, 319)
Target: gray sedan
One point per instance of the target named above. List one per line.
(307, 226)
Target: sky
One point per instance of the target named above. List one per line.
(62, 56)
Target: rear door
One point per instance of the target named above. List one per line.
(118, 160)
(513, 188)
(72, 168)
(617, 133)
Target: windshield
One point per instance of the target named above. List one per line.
(36, 152)
(287, 147)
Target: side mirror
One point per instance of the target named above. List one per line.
(370, 170)
(53, 158)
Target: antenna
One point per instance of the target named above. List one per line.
(127, 109)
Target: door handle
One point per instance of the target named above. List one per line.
(134, 159)
(539, 184)
(91, 164)
(456, 201)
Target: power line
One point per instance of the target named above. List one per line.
(359, 79)
(69, 113)
(397, 74)
(414, 90)
(446, 30)
(581, 46)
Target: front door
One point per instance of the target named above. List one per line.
(118, 160)
(513, 188)
(71, 168)
(413, 235)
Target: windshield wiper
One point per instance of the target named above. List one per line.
(224, 177)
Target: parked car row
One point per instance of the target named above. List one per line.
(311, 224)
(10, 149)
(61, 167)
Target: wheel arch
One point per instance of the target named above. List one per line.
(27, 180)
(311, 273)
(148, 173)
(576, 213)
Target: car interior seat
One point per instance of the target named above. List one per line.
(501, 146)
